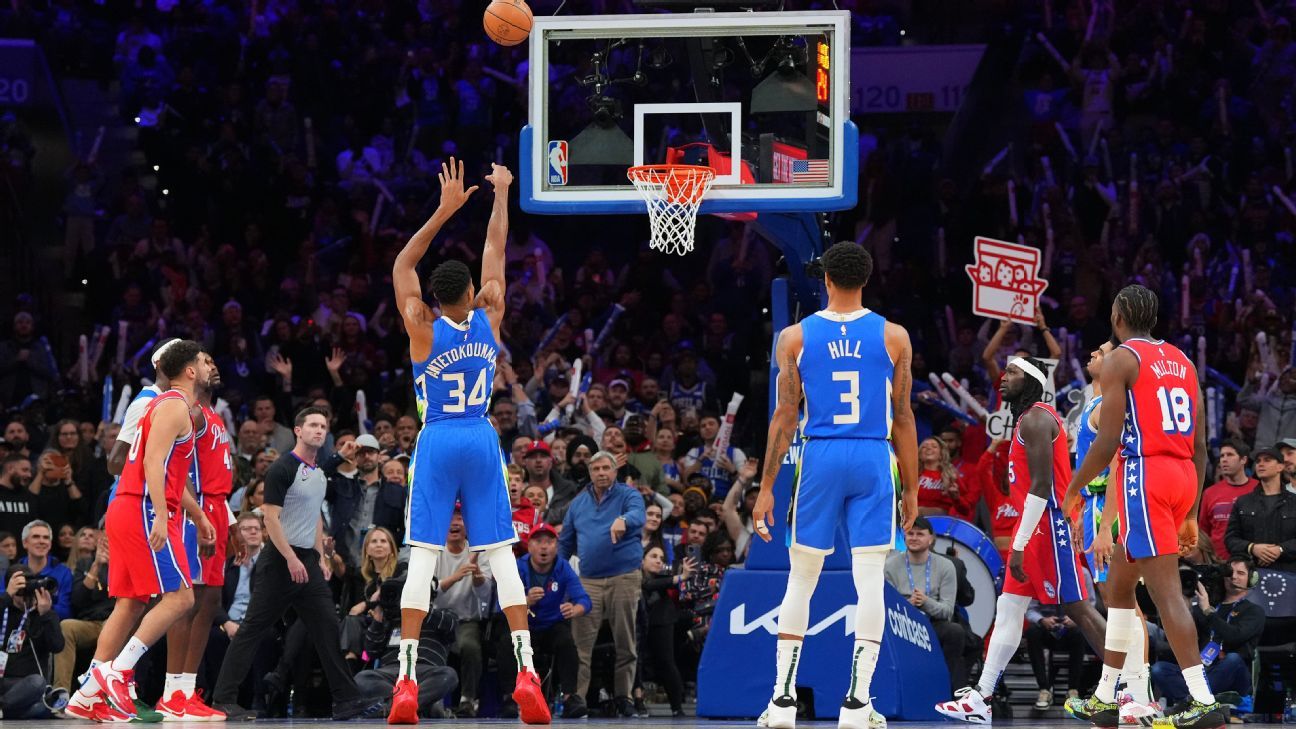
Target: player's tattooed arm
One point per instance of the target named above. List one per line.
(783, 423)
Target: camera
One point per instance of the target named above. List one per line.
(38, 582)
(1211, 577)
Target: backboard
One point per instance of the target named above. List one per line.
(770, 89)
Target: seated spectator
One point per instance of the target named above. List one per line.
(658, 612)
(8, 548)
(600, 528)
(1228, 634)
(1262, 525)
(378, 564)
(555, 596)
(91, 606)
(38, 540)
(29, 629)
(1218, 499)
(938, 482)
(934, 593)
(436, 680)
(1050, 628)
(1288, 448)
(57, 497)
(464, 588)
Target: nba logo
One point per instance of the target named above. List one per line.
(557, 162)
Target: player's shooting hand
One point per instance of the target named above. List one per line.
(1187, 536)
(297, 571)
(535, 595)
(453, 194)
(1016, 566)
(763, 512)
(500, 177)
(158, 533)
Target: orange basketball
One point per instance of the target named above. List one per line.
(507, 22)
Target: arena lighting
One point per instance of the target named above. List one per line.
(786, 89)
(603, 142)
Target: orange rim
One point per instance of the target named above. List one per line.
(680, 182)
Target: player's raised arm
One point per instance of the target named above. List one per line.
(904, 429)
(409, 295)
(492, 275)
(1120, 369)
(170, 420)
(783, 425)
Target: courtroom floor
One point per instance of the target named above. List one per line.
(688, 723)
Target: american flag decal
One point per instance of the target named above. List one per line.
(809, 170)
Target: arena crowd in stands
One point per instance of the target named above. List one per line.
(286, 150)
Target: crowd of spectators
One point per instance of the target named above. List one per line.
(287, 149)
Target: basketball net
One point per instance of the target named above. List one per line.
(673, 194)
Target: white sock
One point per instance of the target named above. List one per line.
(172, 685)
(1106, 691)
(522, 650)
(1195, 677)
(188, 682)
(787, 656)
(130, 655)
(863, 661)
(1135, 671)
(1010, 611)
(408, 656)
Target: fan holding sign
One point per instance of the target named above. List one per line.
(1005, 280)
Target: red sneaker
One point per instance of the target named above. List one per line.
(99, 712)
(530, 699)
(114, 688)
(404, 709)
(174, 708)
(197, 710)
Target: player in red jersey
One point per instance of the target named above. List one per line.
(147, 550)
(212, 478)
(1044, 564)
(1152, 411)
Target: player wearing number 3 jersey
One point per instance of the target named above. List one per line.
(457, 456)
(852, 369)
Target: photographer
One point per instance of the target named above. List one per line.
(1228, 628)
(38, 540)
(382, 638)
(30, 635)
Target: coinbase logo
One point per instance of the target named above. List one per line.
(908, 629)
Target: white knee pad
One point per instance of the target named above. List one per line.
(1010, 611)
(870, 610)
(417, 593)
(503, 567)
(1122, 623)
(794, 614)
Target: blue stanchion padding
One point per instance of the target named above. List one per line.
(736, 674)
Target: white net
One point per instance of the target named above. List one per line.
(673, 193)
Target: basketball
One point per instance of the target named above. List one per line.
(507, 22)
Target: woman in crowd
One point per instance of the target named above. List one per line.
(698, 593)
(84, 544)
(938, 483)
(360, 590)
(8, 547)
(659, 614)
(652, 534)
(664, 448)
(67, 442)
(254, 496)
(64, 543)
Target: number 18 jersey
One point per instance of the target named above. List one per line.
(846, 375)
(456, 380)
(1161, 406)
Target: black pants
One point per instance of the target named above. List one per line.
(556, 642)
(657, 651)
(1072, 643)
(273, 592)
(434, 682)
(953, 640)
(23, 698)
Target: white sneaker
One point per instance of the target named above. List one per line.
(968, 705)
(1044, 699)
(779, 714)
(1137, 713)
(856, 715)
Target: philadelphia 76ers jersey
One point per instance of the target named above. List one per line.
(178, 461)
(456, 380)
(1162, 403)
(845, 375)
(1019, 475)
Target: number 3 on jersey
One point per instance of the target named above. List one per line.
(1176, 410)
(851, 397)
(476, 397)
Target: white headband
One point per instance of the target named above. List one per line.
(1029, 369)
(157, 354)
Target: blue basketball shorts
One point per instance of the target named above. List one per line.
(459, 461)
(843, 482)
(191, 551)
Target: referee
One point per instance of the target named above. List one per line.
(291, 575)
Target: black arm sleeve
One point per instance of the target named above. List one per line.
(279, 478)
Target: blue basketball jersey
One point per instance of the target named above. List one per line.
(846, 376)
(1085, 436)
(456, 380)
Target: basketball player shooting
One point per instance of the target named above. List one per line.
(852, 368)
(1044, 565)
(1152, 411)
(457, 457)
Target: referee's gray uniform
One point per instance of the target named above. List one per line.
(299, 489)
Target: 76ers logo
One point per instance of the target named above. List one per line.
(1049, 590)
